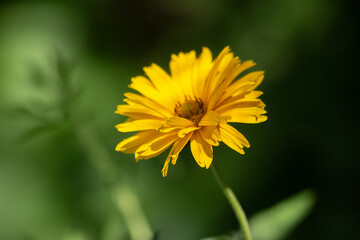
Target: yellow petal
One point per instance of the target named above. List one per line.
(181, 68)
(234, 139)
(236, 68)
(240, 103)
(254, 77)
(243, 66)
(129, 145)
(246, 115)
(174, 153)
(223, 65)
(143, 86)
(253, 94)
(211, 135)
(133, 98)
(201, 71)
(201, 150)
(175, 123)
(181, 62)
(137, 110)
(146, 88)
(224, 79)
(162, 81)
(246, 96)
(139, 125)
(245, 84)
(156, 146)
(212, 81)
(157, 75)
(187, 130)
(166, 164)
(212, 118)
(179, 145)
(178, 122)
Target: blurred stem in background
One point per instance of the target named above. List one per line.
(235, 204)
(124, 197)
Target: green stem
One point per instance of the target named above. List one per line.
(239, 212)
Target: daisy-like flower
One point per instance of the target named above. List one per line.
(194, 103)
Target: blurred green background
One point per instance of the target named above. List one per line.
(65, 65)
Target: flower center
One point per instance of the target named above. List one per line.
(193, 110)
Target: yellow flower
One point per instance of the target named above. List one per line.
(194, 103)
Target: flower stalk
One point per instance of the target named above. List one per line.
(235, 204)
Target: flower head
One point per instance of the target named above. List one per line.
(194, 103)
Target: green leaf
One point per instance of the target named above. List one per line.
(278, 221)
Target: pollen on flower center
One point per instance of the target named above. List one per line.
(193, 110)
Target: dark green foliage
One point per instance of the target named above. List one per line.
(64, 66)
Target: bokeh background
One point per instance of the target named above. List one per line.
(65, 65)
